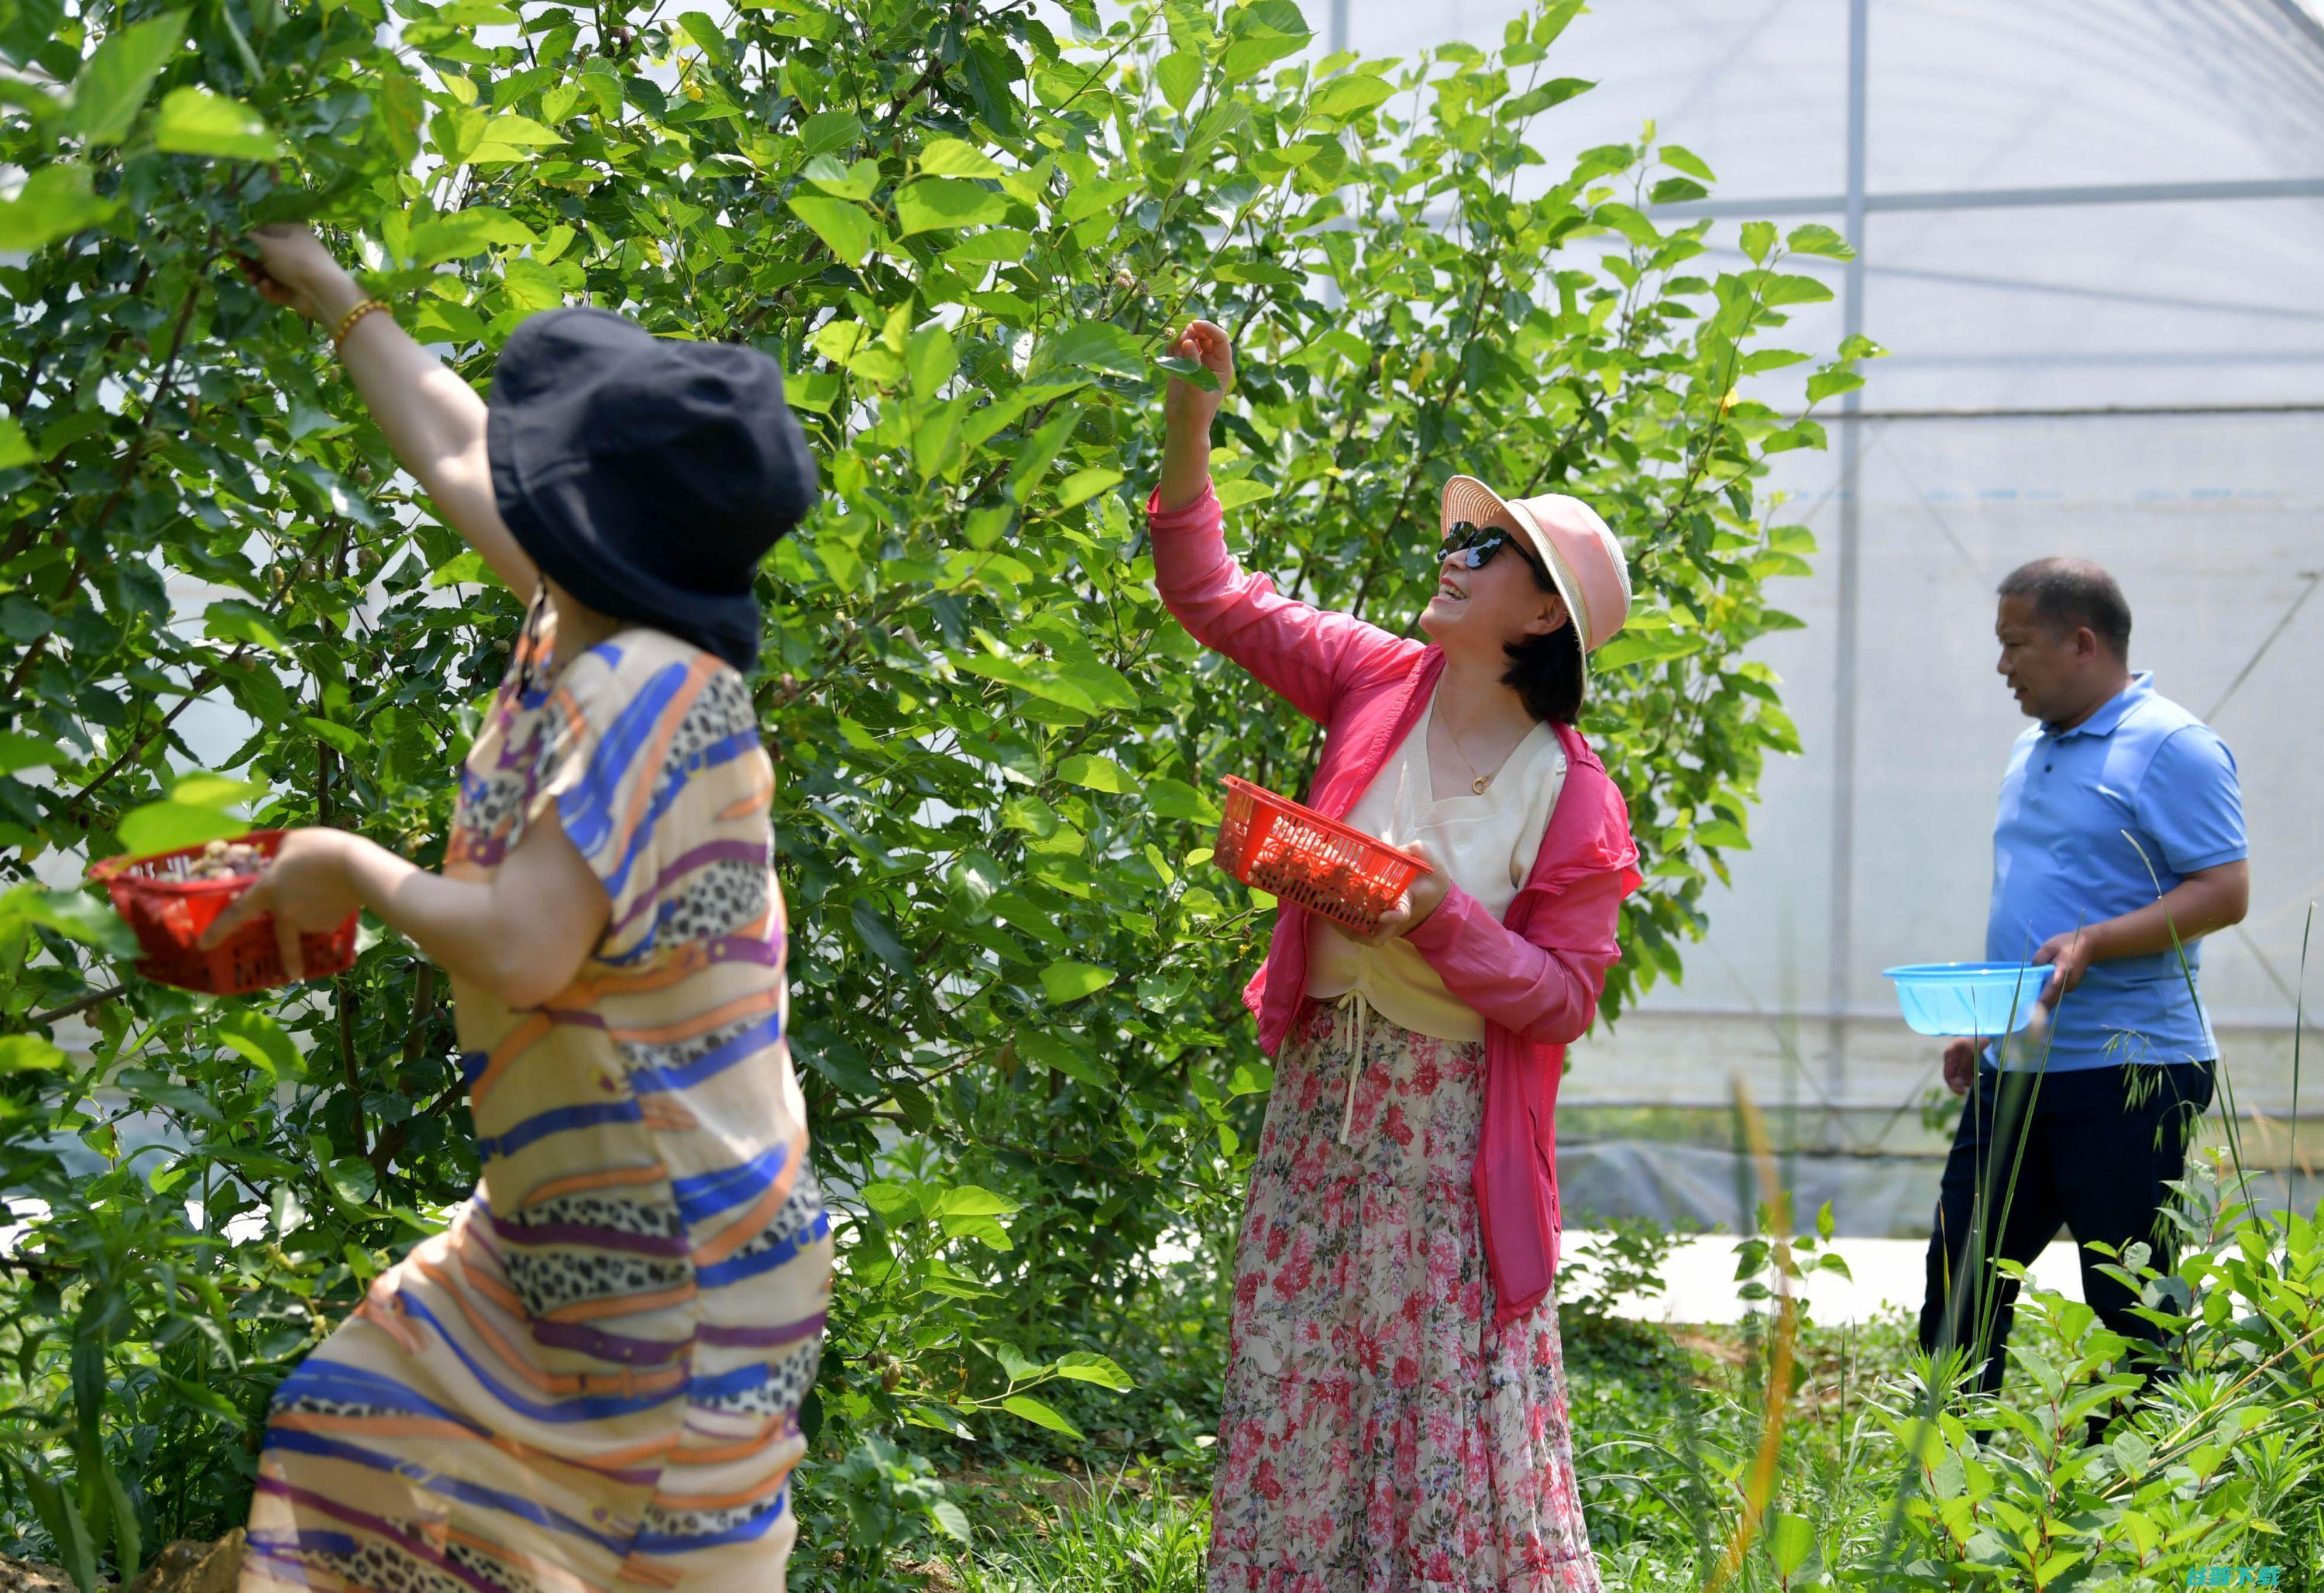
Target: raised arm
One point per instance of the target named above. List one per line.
(1305, 654)
(433, 419)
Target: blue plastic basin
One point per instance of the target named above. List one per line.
(1980, 998)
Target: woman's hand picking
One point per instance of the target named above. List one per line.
(307, 888)
(288, 265)
(1183, 403)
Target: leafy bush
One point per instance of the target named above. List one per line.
(965, 237)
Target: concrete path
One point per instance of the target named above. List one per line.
(1886, 1273)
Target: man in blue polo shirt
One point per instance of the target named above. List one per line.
(2120, 823)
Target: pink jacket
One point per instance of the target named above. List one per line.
(1535, 975)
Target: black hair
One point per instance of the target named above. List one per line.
(1547, 670)
(2071, 593)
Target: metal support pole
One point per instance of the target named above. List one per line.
(1335, 32)
(1843, 715)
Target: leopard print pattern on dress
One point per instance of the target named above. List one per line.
(590, 1209)
(377, 1569)
(548, 1281)
(639, 1056)
(490, 1572)
(786, 1387)
(716, 900)
(661, 1521)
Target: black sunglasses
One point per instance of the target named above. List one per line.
(1478, 545)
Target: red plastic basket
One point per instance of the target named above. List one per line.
(1296, 854)
(169, 912)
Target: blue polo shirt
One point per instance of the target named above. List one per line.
(2142, 769)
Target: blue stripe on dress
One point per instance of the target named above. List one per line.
(749, 1531)
(706, 1195)
(750, 1265)
(580, 1407)
(434, 1481)
(355, 1386)
(666, 792)
(768, 1030)
(587, 809)
(559, 1120)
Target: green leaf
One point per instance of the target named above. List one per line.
(1790, 1538)
(1342, 97)
(262, 1042)
(1093, 345)
(1823, 384)
(875, 934)
(74, 915)
(1179, 75)
(950, 1520)
(1260, 34)
(196, 121)
(1192, 372)
(216, 792)
(1816, 238)
(1758, 238)
(953, 157)
(109, 89)
(512, 140)
(164, 827)
(15, 449)
(847, 231)
(1085, 485)
(1777, 289)
(1067, 982)
(1091, 773)
(935, 203)
(20, 750)
(29, 1053)
(466, 233)
(1040, 1415)
(233, 620)
(827, 132)
(1085, 1367)
(1061, 1055)
(859, 181)
(1680, 158)
(55, 203)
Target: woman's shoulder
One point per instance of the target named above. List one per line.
(642, 676)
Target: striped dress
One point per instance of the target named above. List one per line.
(592, 1377)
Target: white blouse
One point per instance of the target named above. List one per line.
(1487, 845)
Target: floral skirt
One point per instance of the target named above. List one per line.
(1379, 1434)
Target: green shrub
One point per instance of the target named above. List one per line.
(965, 237)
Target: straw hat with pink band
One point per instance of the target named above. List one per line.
(1582, 558)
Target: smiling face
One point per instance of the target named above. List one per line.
(1482, 612)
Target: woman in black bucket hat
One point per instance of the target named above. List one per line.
(593, 1374)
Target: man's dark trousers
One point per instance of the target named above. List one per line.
(2093, 1159)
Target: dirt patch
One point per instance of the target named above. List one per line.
(30, 1576)
(189, 1566)
(186, 1566)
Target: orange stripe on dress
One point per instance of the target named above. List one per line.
(751, 801)
(625, 1382)
(680, 705)
(512, 1045)
(757, 1001)
(773, 1484)
(620, 1305)
(607, 1178)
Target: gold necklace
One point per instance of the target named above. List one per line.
(1478, 783)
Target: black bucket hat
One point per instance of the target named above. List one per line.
(646, 475)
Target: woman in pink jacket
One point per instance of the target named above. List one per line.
(1394, 1413)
